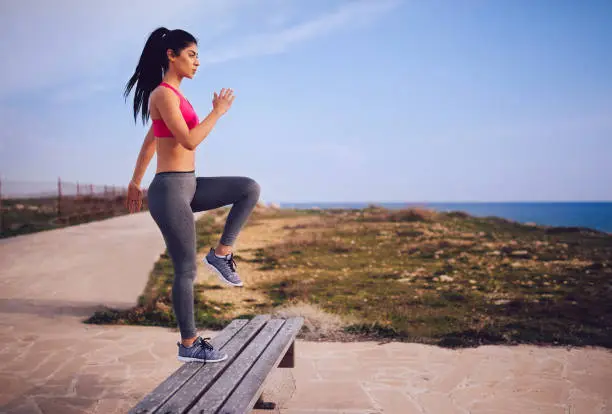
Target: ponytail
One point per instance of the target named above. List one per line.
(153, 65)
(149, 72)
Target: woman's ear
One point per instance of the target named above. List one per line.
(171, 55)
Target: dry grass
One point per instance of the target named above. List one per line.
(448, 279)
(412, 214)
(319, 325)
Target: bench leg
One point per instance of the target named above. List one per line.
(288, 360)
(263, 405)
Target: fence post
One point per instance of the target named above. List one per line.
(59, 197)
(1, 210)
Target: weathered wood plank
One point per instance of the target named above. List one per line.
(248, 391)
(189, 393)
(170, 385)
(212, 399)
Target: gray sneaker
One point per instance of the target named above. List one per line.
(199, 351)
(224, 267)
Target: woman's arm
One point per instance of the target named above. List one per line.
(133, 201)
(144, 157)
(165, 102)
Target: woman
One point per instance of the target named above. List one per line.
(175, 192)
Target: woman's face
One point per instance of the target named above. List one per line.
(187, 62)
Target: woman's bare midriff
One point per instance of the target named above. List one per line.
(172, 156)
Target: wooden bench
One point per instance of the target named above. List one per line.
(254, 348)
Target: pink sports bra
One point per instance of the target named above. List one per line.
(160, 129)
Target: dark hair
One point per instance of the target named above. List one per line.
(153, 64)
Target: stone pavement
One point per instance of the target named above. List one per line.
(50, 362)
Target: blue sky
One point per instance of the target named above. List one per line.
(336, 100)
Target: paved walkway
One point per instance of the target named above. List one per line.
(50, 362)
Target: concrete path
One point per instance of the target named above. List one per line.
(50, 362)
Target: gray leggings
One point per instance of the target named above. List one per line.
(173, 197)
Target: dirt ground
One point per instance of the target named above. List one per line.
(261, 233)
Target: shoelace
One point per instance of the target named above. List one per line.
(206, 344)
(232, 264)
(203, 343)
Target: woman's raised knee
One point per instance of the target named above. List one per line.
(253, 189)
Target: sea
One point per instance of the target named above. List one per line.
(593, 215)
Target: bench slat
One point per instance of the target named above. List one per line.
(189, 393)
(245, 395)
(170, 385)
(222, 389)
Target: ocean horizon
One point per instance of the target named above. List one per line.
(595, 215)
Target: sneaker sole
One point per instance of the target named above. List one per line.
(187, 359)
(220, 275)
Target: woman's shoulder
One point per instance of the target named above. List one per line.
(163, 94)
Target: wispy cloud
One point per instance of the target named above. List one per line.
(349, 14)
(64, 44)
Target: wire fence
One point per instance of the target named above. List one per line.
(27, 206)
